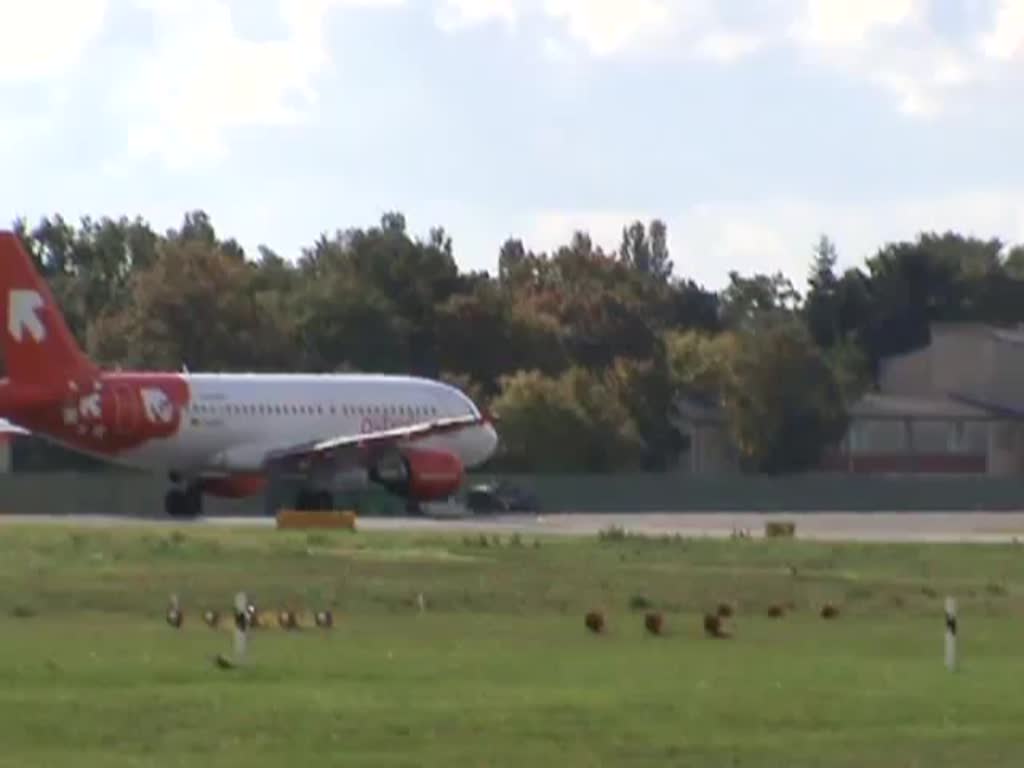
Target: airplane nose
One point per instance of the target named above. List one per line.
(490, 441)
(481, 445)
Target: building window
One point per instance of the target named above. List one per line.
(957, 438)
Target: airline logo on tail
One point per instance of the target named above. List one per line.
(22, 315)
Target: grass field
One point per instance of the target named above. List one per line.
(499, 670)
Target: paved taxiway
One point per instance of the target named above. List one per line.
(980, 527)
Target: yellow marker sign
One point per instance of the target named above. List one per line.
(293, 519)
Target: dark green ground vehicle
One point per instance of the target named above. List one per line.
(498, 498)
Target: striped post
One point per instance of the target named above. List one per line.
(951, 634)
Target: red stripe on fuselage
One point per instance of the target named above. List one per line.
(107, 415)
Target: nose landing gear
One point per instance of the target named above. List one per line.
(184, 503)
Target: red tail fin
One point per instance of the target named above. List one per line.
(38, 348)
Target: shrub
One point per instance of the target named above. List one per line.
(713, 626)
(654, 622)
(594, 621)
(998, 590)
(639, 603)
(612, 533)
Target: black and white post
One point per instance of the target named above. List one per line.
(241, 626)
(951, 634)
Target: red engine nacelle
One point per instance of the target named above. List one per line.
(235, 486)
(420, 475)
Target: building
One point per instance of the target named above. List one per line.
(953, 407)
(903, 434)
(709, 449)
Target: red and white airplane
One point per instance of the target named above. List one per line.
(226, 434)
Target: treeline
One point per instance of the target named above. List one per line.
(582, 352)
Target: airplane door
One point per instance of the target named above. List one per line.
(127, 410)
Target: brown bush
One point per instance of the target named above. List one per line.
(713, 626)
(829, 611)
(594, 621)
(654, 622)
(775, 611)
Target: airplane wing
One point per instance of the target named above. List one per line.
(363, 448)
(7, 428)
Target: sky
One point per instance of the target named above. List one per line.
(751, 127)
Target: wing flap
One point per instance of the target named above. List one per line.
(8, 428)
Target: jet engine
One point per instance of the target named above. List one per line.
(419, 474)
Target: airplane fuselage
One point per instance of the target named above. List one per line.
(225, 423)
(223, 433)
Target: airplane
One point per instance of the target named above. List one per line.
(227, 435)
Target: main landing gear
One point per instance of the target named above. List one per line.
(184, 502)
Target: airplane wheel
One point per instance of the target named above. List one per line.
(183, 504)
(174, 503)
(193, 502)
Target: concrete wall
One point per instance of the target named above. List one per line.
(140, 495)
(818, 492)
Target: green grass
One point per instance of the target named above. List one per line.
(499, 671)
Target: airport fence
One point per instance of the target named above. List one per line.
(129, 494)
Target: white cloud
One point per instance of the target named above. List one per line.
(710, 239)
(46, 38)
(891, 44)
(842, 23)
(203, 79)
(453, 15)
(1006, 38)
(726, 47)
(609, 26)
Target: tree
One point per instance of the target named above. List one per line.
(784, 403)
(821, 309)
(700, 364)
(486, 337)
(691, 306)
(192, 307)
(573, 423)
(747, 301)
(646, 250)
(644, 387)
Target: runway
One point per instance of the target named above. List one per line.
(975, 527)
